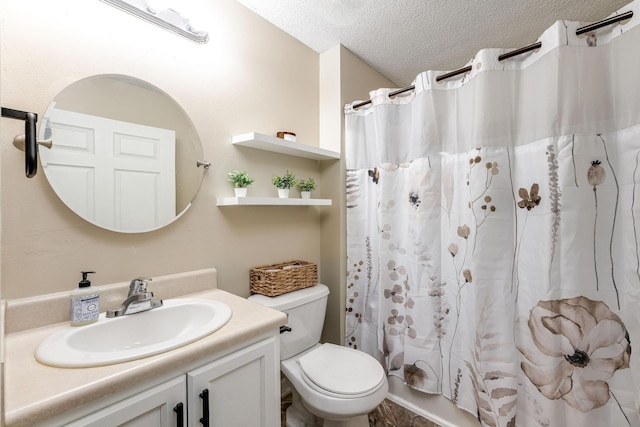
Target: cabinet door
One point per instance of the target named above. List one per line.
(242, 389)
(151, 408)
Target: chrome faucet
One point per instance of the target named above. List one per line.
(139, 299)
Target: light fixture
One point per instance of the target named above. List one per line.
(166, 18)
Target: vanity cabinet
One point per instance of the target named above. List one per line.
(153, 407)
(237, 390)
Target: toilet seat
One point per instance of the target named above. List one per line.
(341, 372)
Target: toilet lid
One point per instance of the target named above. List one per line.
(341, 370)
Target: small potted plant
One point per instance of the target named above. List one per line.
(240, 181)
(306, 186)
(284, 183)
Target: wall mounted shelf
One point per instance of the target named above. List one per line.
(282, 146)
(271, 201)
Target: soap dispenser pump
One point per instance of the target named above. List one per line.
(85, 302)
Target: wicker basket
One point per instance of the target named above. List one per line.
(277, 279)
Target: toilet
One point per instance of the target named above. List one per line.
(333, 386)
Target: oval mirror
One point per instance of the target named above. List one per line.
(124, 155)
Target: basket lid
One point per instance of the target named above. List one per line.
(292, 299)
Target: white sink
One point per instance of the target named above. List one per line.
(178, 322)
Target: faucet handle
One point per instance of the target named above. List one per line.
(139, 285)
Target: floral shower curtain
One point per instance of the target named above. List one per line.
(493, 232)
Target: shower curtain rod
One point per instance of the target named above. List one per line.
(511, 54)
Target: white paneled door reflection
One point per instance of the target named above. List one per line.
(118, 175)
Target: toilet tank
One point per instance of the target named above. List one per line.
(305, 311)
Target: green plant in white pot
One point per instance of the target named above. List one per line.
(284, 183)
(241, 181)
(306, 186)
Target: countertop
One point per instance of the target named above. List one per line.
(35, 392)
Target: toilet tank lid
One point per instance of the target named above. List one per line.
(292, 299)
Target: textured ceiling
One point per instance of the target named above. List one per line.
(401, 38)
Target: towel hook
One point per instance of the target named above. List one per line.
(204, 164)
(30, 144)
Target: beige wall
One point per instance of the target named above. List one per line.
(249, 77)
(344, 78)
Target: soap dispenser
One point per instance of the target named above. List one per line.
(85, 302)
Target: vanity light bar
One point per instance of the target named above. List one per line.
(168, 19)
